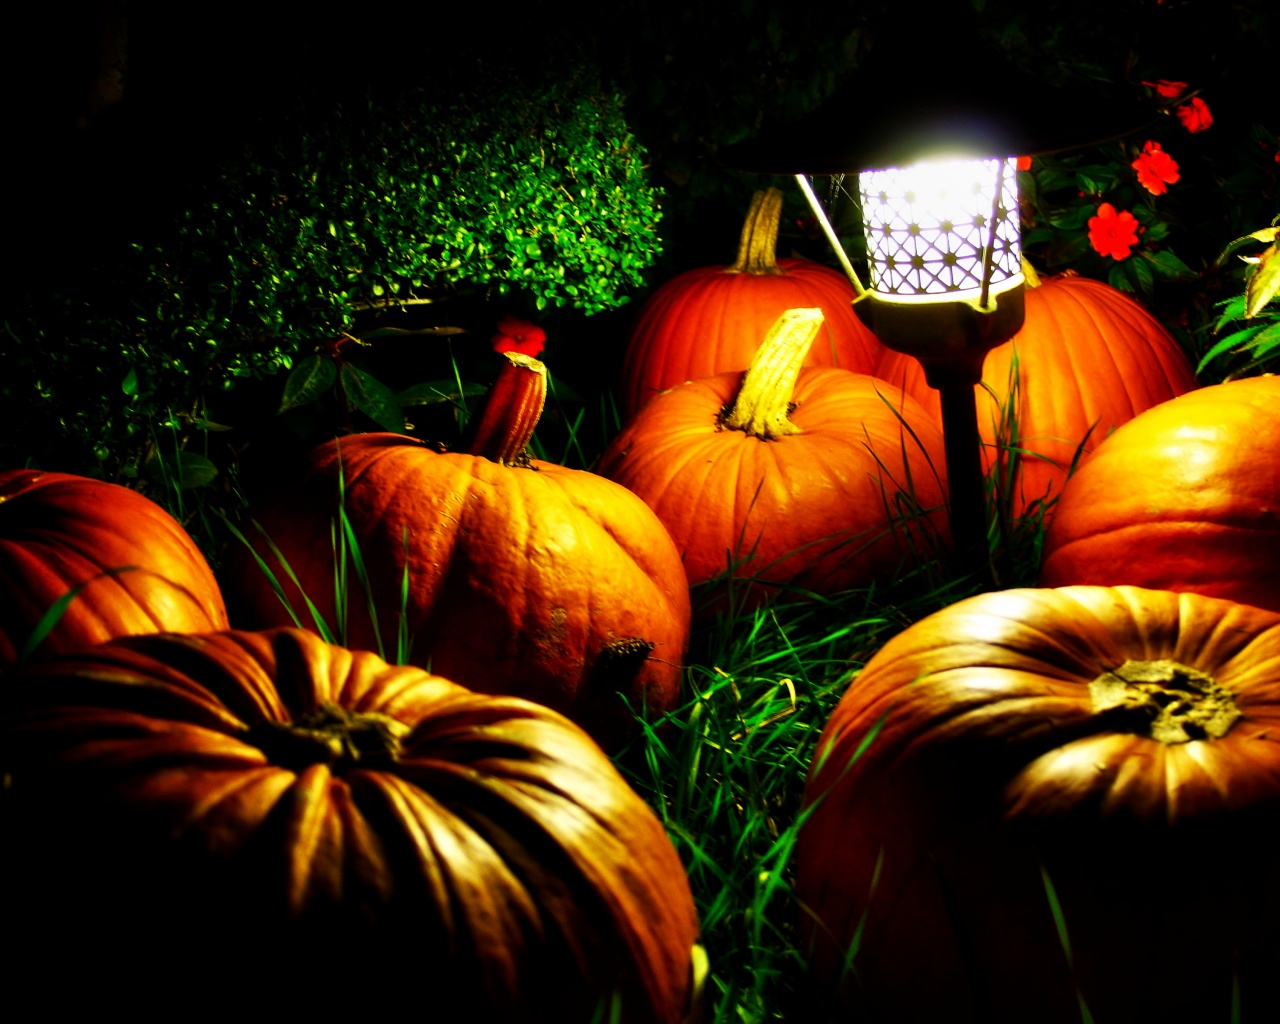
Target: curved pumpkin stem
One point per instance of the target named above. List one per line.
(764, 399)
(511, 411)
(757, 248)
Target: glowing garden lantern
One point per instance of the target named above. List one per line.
(933, 130)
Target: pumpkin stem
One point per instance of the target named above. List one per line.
(764, 399)
(1165, 700)
(511, 411)
(1029, 274)
(330, 735)
(757, 248)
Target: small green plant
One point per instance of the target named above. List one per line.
(1248, 324)
(483, 185)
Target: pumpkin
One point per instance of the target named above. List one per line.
(1042, 799)
(1087, 359)
(709, 320)
(808, 477)
(507, 574)
(196, 810)
(1185, 496)
(131, 566)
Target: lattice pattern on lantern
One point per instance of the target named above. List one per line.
(927, 227)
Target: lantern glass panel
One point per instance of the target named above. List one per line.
(928, 227)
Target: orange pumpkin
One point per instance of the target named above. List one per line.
(1038, 799)
(508, 574)
(1087, 359)
(183, 810)
(137, 569)
(709, 320)
(1184, 497)
(814, 478)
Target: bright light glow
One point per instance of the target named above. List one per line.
(928, 227)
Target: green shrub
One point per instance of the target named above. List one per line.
(529, 183)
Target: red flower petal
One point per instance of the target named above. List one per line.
(1194, 115)
(1113, 234)
(1167, 89)
(515, 335)
(1156, 169)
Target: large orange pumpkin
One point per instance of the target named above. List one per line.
(1185, 496)
(267, 821)
(813, 478)
(508, 574)
(1087, 359)
(137, 569)
(709, 320)
(1035, 799)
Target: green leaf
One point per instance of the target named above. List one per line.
(1053, 180)
(1263, 235)
(1119, 277)
(311, 378)
(1167, 266)
(373, 398)
(433, 392)
(387, 332)
(184, 470)
(1231, 342)
(1143, 278)
(130, 383)
(1088, 185)
(1232, 309)
(1263, 283)
(1157, 232)
(1266, 341)
(209, 425)
(1071, 220)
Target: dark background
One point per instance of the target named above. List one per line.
(201, 78)
(89, 167)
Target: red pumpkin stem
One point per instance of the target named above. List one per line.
(764, 399)
(511, 411)
(757, 249)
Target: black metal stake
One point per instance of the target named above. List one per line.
(965, 481)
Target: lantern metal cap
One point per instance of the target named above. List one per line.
(943, 91)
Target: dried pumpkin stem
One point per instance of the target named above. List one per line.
(757, 249)
(764, 399)
(1029, 274)
(511, 411)
(1166, 700)
(330, 735)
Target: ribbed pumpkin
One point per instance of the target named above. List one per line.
(138, 569)
(1035, 799)
(813, 477)
(1088, 358)
(1185, 496)
(709, 320)
(270, 822)
(514, 575)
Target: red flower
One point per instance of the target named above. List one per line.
(1024, 163)
(1194, 115)
(1113, 234)
(1157, 170)
(519, 336)
(1167, 89)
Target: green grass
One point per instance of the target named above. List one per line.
(725, 770)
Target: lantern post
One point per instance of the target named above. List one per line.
(932, 125)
